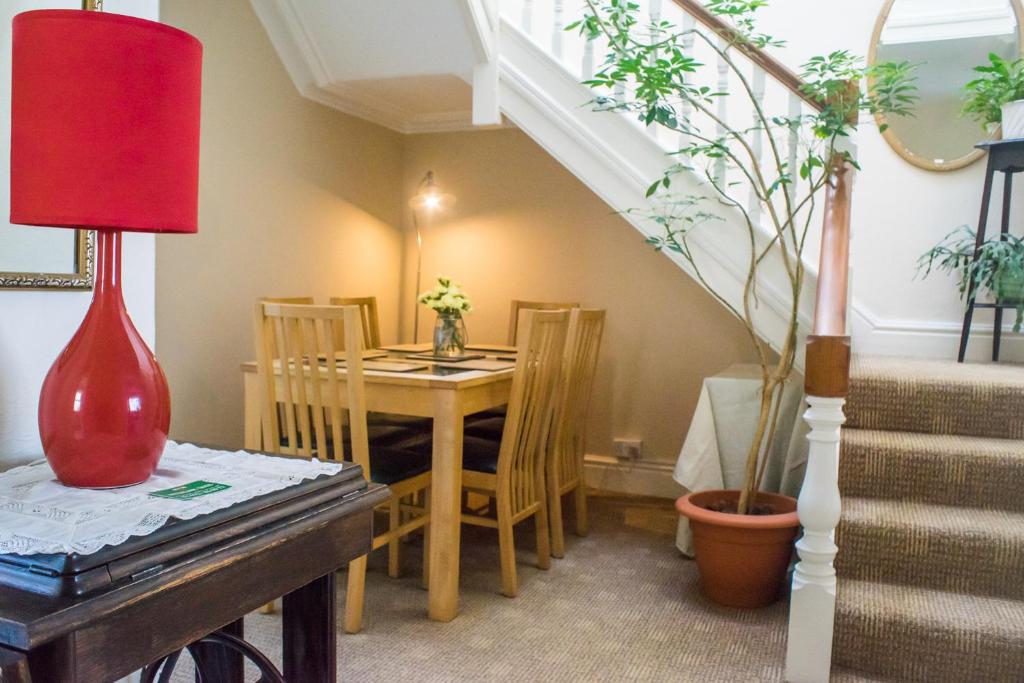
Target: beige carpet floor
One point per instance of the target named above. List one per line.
(622, 606)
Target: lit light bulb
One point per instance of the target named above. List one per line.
(431, 201)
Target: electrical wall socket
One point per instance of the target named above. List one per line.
(628, 449)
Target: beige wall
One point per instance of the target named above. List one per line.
(295, 198)
(524, 227)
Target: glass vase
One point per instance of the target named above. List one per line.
(450, 335)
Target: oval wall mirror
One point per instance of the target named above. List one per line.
(946, 39)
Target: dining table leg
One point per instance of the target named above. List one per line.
(253, 428)
(445, 511)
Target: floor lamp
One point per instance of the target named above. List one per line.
(428, 200)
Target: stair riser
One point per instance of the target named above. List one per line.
(974, 564)
(908, 652)
(936, 409)
(878, 472)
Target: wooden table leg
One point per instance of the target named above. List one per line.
(218, 663)
(310, 648)
(13, 667)
(253, 433)
(445, 495)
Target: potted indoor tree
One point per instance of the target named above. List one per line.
(995, 266)
(996, 96)
(742, 538)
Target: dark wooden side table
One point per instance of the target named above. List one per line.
(1006, 157)
(99, 617)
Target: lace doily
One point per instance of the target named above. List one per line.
(40, 515)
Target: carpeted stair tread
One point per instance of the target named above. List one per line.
(939, 397)
(843, 675)
(939, 468)
(933, 546)
(917, 634)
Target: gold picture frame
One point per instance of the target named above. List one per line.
(890, 137)
(81, 278)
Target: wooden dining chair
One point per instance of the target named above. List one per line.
(367, 314)
(304, 300)
(520, 305)
(315, 397)
(512, 472)
(564, 462)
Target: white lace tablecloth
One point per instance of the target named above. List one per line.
(38, 514)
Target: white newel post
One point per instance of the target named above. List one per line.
(812, 604)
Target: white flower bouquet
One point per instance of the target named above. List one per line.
(446, 297)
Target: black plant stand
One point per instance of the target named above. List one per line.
(1007, 157)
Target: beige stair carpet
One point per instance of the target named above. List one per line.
(931, 560)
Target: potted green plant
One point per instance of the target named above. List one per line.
(997, 96)
(996, 266)
(742, 538)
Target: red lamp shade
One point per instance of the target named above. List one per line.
(104, 122)
(105, 135)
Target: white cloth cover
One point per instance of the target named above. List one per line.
(715, 451)
(38, 514)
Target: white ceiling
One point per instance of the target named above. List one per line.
(405, 64)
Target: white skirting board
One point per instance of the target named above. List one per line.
(641, 478)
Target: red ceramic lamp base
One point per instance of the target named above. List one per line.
(104, 409)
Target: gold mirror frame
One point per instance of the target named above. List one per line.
(81, 277)
(890, 137)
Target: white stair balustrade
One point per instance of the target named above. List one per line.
(723, 109)
(757, 85)
(813, 599)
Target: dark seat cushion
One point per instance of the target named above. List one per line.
(378, 434)
(392, 465)
(500, 411)
(480, 455)
(411, 422)
(489, 428)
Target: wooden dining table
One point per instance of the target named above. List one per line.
(446, 393)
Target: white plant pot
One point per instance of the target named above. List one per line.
(1013, 120)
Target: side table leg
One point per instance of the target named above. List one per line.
(966, 331)
(986, 198)
(13, 667)
(310, 648)
(219, 663)
(997, 333)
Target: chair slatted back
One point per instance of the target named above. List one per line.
(367, 314)
(304, 412)
(582, 345)
(520, 305)
(305, 300)
(527, 423)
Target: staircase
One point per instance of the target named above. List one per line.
(931, 542)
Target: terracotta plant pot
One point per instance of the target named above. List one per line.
(742, 559)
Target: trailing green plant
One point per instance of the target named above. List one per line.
(995, 266)
(650, 71)
(1001, 82)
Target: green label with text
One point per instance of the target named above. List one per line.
(191, 490)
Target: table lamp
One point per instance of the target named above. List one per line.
(104, 136)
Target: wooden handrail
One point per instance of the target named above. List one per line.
(828, 347)
(834, 262)
(779, 71)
